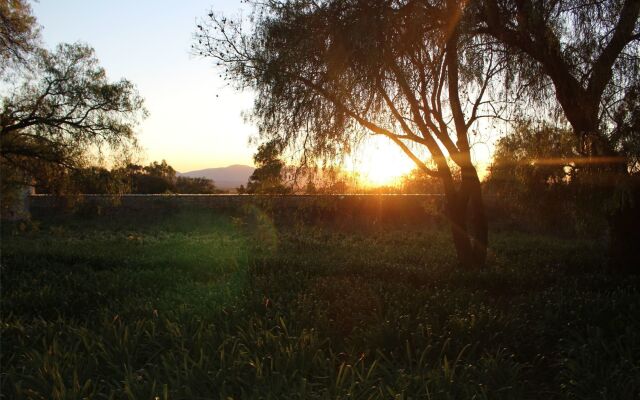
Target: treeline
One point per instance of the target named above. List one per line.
(155, 178)
(273, 176)
(538, 180)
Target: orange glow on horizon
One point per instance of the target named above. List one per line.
(378, 162)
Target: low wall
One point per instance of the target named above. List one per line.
(372, 209)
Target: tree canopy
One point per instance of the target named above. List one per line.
(58, 110)
(586, 54)
(64, 111)
(422, 73)
(18, 32)
(324, 79)
(268, 177)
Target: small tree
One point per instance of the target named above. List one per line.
(155, 178)
(417, 181)
(268, 175)
(98, 180)
(588, 51)
(189, 185)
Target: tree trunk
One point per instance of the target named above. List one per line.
(456, 212)
(467, 218)
(624, 225)
(615, 194)
(478, 226)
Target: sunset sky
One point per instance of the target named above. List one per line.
(148, 42)
(195, 118)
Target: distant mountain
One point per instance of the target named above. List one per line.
(225, 177)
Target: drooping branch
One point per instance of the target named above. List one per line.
(374, 128)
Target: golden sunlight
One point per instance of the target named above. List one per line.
(379, 163)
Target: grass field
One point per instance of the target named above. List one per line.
(198, 306)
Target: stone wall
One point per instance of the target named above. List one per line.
(370, 209)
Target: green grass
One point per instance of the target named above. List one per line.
(194, 305)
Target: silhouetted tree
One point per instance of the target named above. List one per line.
(589, 51)
(418, 182)
(327, 72)
(536, 156)
(189, 185)
(535, 176)
(161, 170)
(310, 188)
(335, 180)
(18, 32)
(155, 178)
(268, 175)
(63, 110)
(98, 180)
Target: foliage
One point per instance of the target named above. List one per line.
(160, 177)
(330, 180)
(324, 81)
(584, 57)
(18, 32)
(626, 119)
(268, 176)
(61, 112)
(537, 156)
(97, 180)
(155, 178)
(537, 178)
(581, 55)
(336, 82)
(191, 305)
(187, 185)
(533, 165)
(417, 181)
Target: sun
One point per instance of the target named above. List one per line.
(380, 163)
(383, 174)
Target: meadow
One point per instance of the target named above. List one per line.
(193, 305)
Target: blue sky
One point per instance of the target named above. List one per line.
(148, 42)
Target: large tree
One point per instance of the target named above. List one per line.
(61, 112)
(327, 72)
(586, 54)
(18, 32)
(588, 50)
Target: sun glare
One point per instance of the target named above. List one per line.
(380, 163)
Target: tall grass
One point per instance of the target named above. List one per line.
(195, 305)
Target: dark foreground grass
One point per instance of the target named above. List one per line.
(198, 306)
